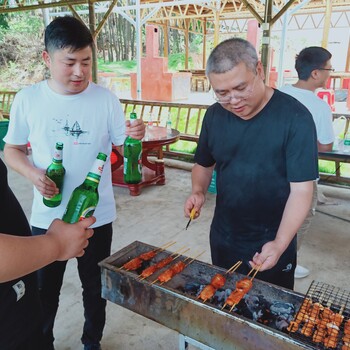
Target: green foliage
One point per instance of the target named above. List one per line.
(3, 22)
(176, 61)
(24, 23)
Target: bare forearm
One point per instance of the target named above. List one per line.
(295, 212)
(22, 255)
(324, 147)
(16, 157)
(201, 178)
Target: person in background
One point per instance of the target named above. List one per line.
(21, 255)
(313, 65)
(87, 118)
(262, 144)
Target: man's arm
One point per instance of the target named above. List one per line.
(16, 158)
(20, 256)
(324, 147)
(295, 212)
(201, 177)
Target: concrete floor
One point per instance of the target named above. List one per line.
(156, 217)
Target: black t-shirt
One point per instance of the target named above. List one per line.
(18, 318)
(255, 161)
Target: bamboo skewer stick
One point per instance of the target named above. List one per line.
(256, 271)
(234, 267)
(193, 259)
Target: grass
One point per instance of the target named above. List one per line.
(328, 167)
(120, 68)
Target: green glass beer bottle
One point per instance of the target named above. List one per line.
(84, 199)
(132, 158)
(55, 172)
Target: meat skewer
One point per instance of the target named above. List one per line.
(335, 320)
(305, 306)
(135, 263)
(171, 272)
(242, 287)
(174, 270)
(160, 264)
(218, 281)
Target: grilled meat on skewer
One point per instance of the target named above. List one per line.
(244, 284)
(235, 297)
(153, 268)
(168, 274)
(133, 264)
(207, 292)
(218, 281)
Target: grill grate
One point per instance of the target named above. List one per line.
(323, 320)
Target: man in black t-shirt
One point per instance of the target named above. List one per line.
(20, 255)
(263, 146)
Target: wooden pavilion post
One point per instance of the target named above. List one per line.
(347, 64)
(327, 24)
(166, 40)
(265, 47)
(204, 55)
(92, 24)
(186, 42)
(216, 27)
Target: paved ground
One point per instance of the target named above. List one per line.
(156, 217)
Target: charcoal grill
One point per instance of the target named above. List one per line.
(174, 305)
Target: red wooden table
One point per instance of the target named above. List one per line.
(152, 172)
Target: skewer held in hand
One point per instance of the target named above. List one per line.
(234, 267)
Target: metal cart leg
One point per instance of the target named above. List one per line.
(184, 341)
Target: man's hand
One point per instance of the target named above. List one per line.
(43, 184)
(196, 201)
(269, 256)
(136, 129)
(70, 239)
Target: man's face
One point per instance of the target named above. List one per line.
(70, 71)
(240, 90)
(323, 74)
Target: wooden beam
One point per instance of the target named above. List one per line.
(282, 11)
(92, 25)
(327, 24)
(104, 19)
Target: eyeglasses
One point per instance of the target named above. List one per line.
(241, 95)
(329, 69)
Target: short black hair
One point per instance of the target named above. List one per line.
(309, 59)
(67, 32)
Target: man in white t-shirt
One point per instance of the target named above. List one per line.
(87, 118)
(313, 65)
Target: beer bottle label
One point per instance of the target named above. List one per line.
(87, 213)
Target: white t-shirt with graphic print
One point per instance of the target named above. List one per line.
(87, 123)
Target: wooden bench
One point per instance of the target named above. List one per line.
(6, 99)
